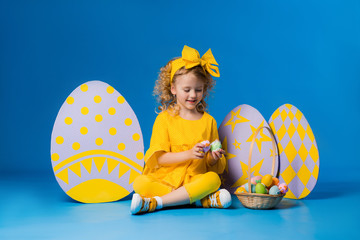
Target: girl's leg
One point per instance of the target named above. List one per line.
(151, 194)
(150, 187)
(177, 197)
(204, 188)
(148, 193)
(162, 196)
(201, 186)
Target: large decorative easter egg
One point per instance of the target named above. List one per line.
(96, 144)
(236, 133)
(299, 155)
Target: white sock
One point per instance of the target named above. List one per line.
(159, 202)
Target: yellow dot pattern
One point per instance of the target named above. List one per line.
(83, 130)
(99, 141)
(84, 110)
(121, 146)
(97, 99)
(136, 137)
(70, 100)
(68, 120)
(121, 99)
(140, 155)
(110, 89)
(128, 122)
(98, 118)
(112, 131)
(112, 111)
(76, 146)
(55, 157)
(84, 88)
(59, 140)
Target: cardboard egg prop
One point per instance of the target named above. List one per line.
(96, 144)
(236, 132)
(299, 155)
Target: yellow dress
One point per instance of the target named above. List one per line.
(175, 134)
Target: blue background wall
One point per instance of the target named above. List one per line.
(306, 53)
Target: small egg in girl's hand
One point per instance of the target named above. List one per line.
(260, 188)
(274, 190)
(283, 187)
(256, 179)
(206, 143)
(215, 145)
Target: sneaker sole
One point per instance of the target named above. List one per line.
(136, 203)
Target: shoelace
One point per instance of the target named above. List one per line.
(213, 200)
(146, 205)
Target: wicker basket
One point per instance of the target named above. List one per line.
(255, 200)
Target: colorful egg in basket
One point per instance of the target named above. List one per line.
(255, 200)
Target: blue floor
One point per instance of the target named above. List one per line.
(35, 208)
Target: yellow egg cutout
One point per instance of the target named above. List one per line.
(299, 155)
(96, 161)
(236, 132)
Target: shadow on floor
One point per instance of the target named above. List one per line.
(286, 204)
(329, 190)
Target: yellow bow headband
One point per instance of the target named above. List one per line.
(191, 58)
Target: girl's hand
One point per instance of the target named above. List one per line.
(197, 151)
(216, 155)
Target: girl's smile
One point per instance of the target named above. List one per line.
(189, 91)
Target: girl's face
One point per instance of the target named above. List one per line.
(188, 90)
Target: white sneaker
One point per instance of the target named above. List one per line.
(218, 199)
(142, 205)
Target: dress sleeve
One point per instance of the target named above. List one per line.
(219, 167)
(159, 141)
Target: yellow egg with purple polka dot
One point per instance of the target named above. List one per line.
(96, 144)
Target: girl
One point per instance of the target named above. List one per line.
(177, 170)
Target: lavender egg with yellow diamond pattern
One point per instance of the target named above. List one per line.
(299, 155)
(97, 146)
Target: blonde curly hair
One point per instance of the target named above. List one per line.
(162, 89)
